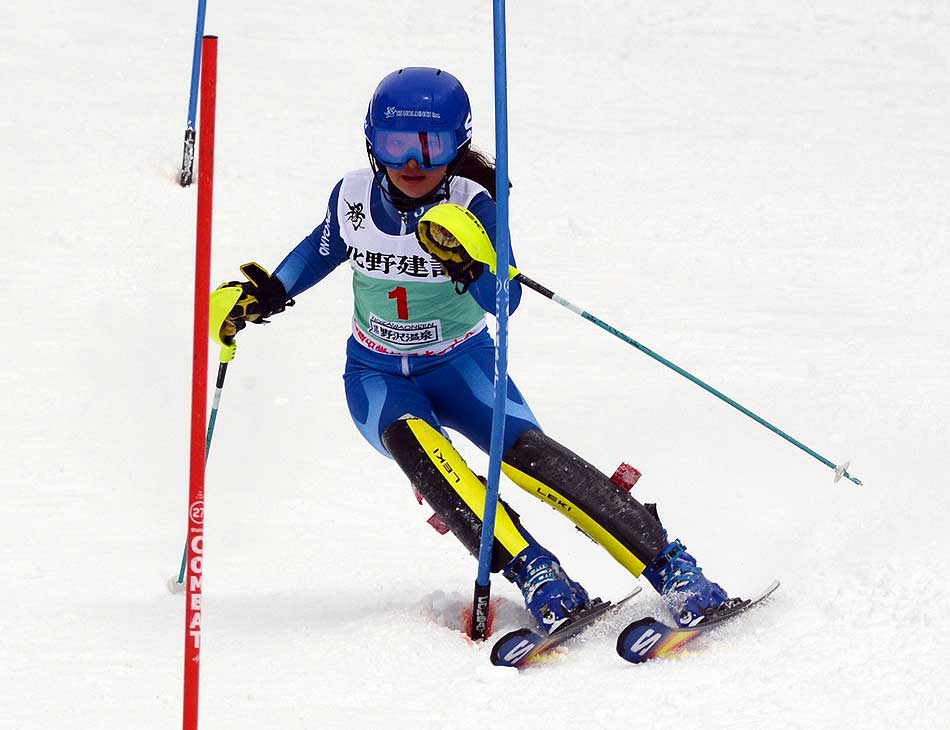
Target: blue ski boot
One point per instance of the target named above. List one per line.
(691, 595)
(551, 596)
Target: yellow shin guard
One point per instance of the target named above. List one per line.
(603, 511)
(450, 487)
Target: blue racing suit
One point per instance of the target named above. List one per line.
(418, 347)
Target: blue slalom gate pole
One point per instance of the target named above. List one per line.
(186, 175)
(503, 253)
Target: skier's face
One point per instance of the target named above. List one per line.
(414, 181)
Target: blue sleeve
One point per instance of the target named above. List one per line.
(316, 255)
(483, 288)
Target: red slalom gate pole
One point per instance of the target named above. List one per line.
(199, 382)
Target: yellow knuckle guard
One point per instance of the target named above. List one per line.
(222, 301)
(467, 229)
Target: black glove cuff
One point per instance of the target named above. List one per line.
(272, 297)
(464, 274)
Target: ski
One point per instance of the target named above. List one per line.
(518, 647)
(649, 638)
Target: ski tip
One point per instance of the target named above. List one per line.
(636, 591)
(773, 586)
(745, 603)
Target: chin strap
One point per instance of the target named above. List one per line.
(402, 202)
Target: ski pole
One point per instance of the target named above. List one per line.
(221, 302)
(467, 231)
(841, 470)
(222, 373)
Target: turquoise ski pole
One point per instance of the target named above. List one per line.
(178, 585)
(221, 301)
(841, 470)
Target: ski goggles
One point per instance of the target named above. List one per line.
(429, 149)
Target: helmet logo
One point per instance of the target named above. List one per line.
(393, 112)
(468, 126)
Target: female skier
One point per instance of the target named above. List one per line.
(420, 359)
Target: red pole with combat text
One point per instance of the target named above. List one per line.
(199, 384)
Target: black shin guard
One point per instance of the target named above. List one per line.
(609, 515)
(451, 489)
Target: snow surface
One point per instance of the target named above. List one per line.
(756, 190)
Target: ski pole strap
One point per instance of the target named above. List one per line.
(840, 471)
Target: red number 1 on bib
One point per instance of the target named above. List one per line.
(402, 304)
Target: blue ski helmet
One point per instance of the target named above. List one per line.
(418, 113)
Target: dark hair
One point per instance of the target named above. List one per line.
(479, 167)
